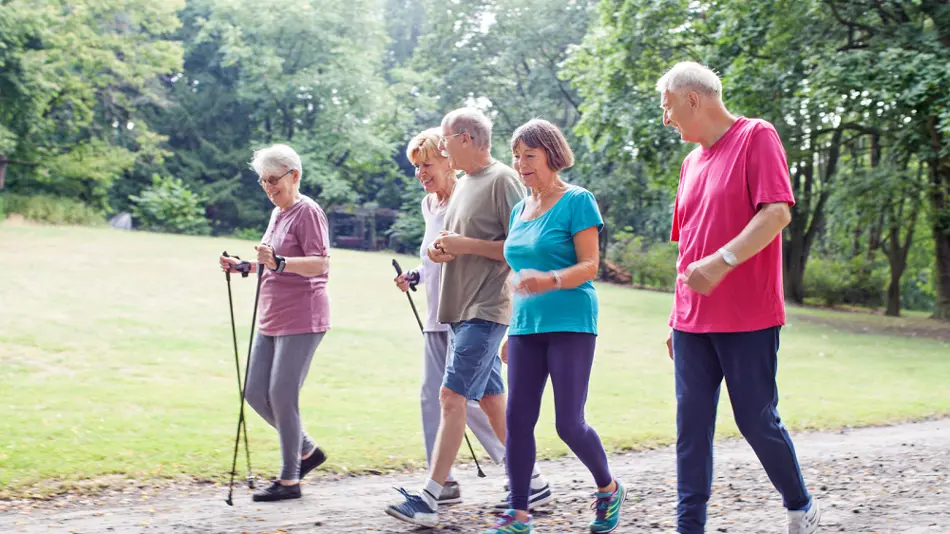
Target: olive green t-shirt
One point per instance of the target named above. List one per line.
(475, 287)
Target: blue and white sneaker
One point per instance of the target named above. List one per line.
(414, 510)
(539, 495)
(507, 524)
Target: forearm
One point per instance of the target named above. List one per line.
(493, 250)
(577, 274)
(307, 266)
(761, 230)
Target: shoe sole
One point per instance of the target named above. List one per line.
(421, 523)
(450, 502)
(277, 499)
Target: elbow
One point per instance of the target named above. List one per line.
(782, 215)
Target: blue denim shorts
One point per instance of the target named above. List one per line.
(473, 369)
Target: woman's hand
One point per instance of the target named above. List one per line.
(504, 352)
(530, 282)
(228, 263)
(402, 283)
(265, 255)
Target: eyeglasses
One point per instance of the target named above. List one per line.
(443, 139)
(272, 180)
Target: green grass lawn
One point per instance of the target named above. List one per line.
(116, 358)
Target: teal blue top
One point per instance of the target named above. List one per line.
(546, 243)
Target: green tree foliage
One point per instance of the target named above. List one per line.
(73, 77)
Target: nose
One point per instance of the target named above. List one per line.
(666, 118)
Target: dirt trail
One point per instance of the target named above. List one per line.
(885, 480)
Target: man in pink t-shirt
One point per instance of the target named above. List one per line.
(732, 203)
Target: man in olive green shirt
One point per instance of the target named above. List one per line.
(475, 301)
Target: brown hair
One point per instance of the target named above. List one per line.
(539, 133)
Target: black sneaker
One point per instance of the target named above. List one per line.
(312, 462)
(277, 492)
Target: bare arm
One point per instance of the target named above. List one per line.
(705, 274)
(588, 260)
(307, 266)
(761, 230)
(493, 250)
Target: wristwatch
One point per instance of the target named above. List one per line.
(281, 263)
(729, 257)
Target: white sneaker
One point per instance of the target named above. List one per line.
(539, 495)
(804, 522)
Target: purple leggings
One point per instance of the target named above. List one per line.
(567, 357)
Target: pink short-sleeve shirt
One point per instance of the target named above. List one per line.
(290, 303)
(720, 190)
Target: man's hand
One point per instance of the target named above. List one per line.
(704, 275)
(451, 243)
(669, 344)
(265, 255)
(437, 255)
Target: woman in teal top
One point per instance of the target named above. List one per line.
(553, 251)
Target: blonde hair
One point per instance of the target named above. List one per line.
(424, 146)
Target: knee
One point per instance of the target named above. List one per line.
(452, 403)
(282, 400)
(571, 431)
(755, 423)
(257, 397)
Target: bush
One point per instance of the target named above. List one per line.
(250, 234)
(51, 210)
(858, 281)
(169, 206)
(408, 230)
(650, 264)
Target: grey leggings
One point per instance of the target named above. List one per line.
(278, 367)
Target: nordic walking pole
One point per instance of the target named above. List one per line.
(481, 474)
(237, 366)
(257, 294)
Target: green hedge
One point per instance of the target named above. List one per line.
(51, 210)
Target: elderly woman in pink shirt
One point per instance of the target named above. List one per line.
(294, 313)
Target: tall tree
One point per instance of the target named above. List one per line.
(72, 79)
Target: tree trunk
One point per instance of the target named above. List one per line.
(940, 206)
(808, 219)
(3, 170)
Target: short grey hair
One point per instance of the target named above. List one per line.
(690, 75)
(276, 158)
(471, 121)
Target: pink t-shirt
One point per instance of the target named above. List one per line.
(720, 190)
(290, 303)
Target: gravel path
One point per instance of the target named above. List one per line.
(884, 480)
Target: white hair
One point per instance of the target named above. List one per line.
(693, 76)
(471, 121)
(276, 158)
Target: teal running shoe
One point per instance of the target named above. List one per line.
(608, 507)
